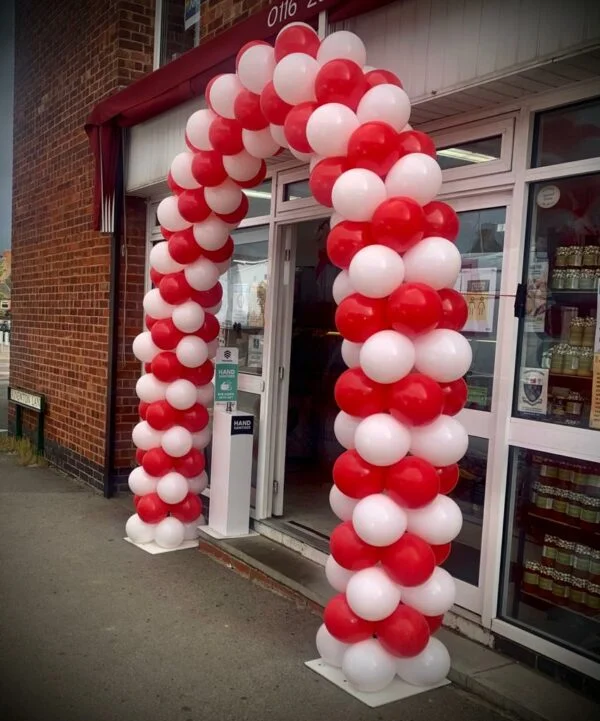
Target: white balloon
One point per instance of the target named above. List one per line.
(379, 520)
(330, 649)
(138, 531)
(191, 351)
(438, 522)
(224, 198)
(201, 439)
(223, 92)
(198, 483)
(191, 532)
(169, 533)
(416, 175)
(202, 274)
(149, 389)
(181, 394)
(177, 441)
(140, 483)
(188, 317)
(357, 193)
(387, 356)
(212, 233)
(337, 575)
(172, 487)
(443, 354)
(146, 437)
(259, 143)
(256, 66)
(181, 171)
(160, 259)
(344, 428)
(329, 129)
(442, 442)
(368, 666)
(168, 214)
(435, 596)
(341, 504)
(386, 103)
(155, 306)
(144, 348)
(242, 166)
(342, 44)
(294, 78)
(351, 353)
(381, 440)
(197, 128)
(342, 287)
(278, 134)
(427, 668)
(372, 595)
(205, 395)
(376, 271)
(434, 261)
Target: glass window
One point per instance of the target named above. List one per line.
(296, 191)
(179, 29)
(559, 330)
(567, 134)
(474, 152)
(481, 242)
(551, 565)
(259, 200)
(250, 403)
(242, 314)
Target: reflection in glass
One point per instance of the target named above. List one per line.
(259, 200)
(297, 190)
(242, 314)
(474, 152)
(178, 32)
(567, 134)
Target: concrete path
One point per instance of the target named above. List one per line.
(93, 629)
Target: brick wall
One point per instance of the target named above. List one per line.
(219, 15)
(68, 56)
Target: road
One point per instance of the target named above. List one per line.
(4, 362)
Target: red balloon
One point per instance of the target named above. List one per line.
(246, 109)
(345, 240)
(455, 396)
(349, 550)
(155, 276)
(358, 395)
(412, 482)
(409, 561)
(221, 254)
(323, 177)
(414, 308)
(149, 321)
(174, 288)
(225, 135)
(382, 77)
(187, 510)
(202, 375)
(356, 478)
(414, 141)
(143, 410)
(151, 508)
(340, 81)
(294, 127)
(374, 146)
(416, 399)
(358, 317)
(273, 107)
(161, 415)
(183, 247)
(208, 298)
(441, 220)
(173, 187)
(192, 206)
(441, 553)
(165, 335)
(405, 633)
(343, 624)
(434, 623)
(166, 234)
(157, 462)
(454, 309)
(136, 500)
(190, 465)
(238, 214)
(296, 39)
(449, 477)
(207, 168)
(195, 418)
(147, 367)
(210, 329)
(256, 180)
(139, 456)
(166, 367)
(398, 223)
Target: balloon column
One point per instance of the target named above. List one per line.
(397, 312)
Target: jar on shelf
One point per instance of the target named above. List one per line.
(592, 488)
(545, 583)
(589, 332)
(576, 331)
(549, 550)
(571, 363)
(577, 594)
(572, 279)
(564, 556)
(558, 408)
(531, 577)
(543, 501)
(566, 472)
(560, 588)
(573, 509)
(587, 279)
(580, 478)
(575, 257)
(594, 571)
(560, 258)
(533, 492)
(582, 559)
(592, 598)
(574, 415)
(586, 363)
(549, 470)
(590, 256)
(589, 514)
(558, 357)
(559, 278)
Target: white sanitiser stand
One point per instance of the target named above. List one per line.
(230, 474)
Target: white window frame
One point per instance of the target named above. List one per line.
(158, 17)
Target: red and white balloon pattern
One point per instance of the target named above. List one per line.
(396, 310)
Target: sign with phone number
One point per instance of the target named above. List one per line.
(282, 12)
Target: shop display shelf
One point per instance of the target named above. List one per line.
(571, 377)
(544, 603)
(565, 293)
(581, 533)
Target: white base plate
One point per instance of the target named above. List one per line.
(220, 537)
(396, 691)
(155, 549)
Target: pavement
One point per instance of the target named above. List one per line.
(4, 368)
(93, 628)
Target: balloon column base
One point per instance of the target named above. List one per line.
(155, 549)
(208, 531)
(396, 691)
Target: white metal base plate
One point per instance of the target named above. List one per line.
(220, 537)
(396, 691)
(155, 549)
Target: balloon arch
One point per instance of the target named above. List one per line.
(396, 311)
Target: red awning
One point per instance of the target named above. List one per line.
(185, 78)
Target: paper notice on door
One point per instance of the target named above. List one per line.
(537, 296)
(478, 286)
(533, 391)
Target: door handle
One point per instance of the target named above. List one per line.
(520, 300)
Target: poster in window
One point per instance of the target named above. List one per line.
(191, 13)
(478, 286)
(533, 391)
(537, 296)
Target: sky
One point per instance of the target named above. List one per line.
(6, 120)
